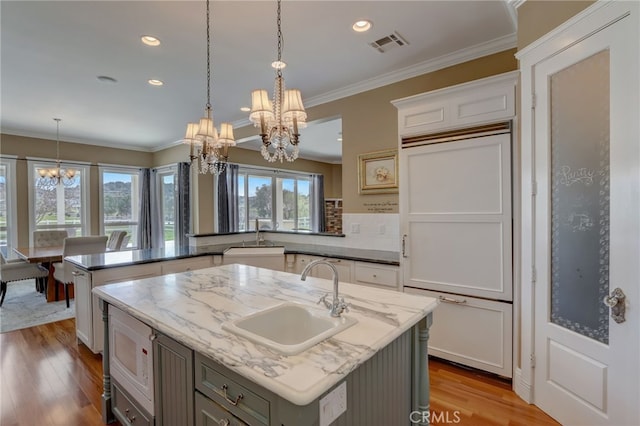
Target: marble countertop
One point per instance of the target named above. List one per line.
(133, 257)
(191, 307)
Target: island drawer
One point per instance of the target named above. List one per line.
(126, 410)
(209, 413)
(229, 393)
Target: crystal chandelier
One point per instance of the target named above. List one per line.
(211, 148)
(279, 120)
(51, 178)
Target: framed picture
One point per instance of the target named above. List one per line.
(378, 172)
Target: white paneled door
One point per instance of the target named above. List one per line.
(587, 224)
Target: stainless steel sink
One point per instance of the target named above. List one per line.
(289, 328)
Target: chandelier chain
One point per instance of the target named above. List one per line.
(208, 60)
(279, 24)
(57, 140)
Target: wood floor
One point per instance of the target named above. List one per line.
(47, 378)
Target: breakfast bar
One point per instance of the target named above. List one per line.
(373, 369)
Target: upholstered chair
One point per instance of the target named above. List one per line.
(53, 238)
(115, 240)
(73, 246)
(18, 271)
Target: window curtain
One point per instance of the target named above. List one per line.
(183, 219)
(144, 220)
(228, 199)
(317, 211)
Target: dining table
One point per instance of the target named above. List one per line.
(46, 256)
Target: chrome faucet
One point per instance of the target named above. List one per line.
(337, 305)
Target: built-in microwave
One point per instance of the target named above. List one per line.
(131, 356)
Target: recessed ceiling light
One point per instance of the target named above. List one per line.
(150, 40)
(155, 82)
(362, 26)
(106, 79)
(245, 109)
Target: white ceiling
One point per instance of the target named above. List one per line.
(53, 51)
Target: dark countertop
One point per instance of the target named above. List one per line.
(115, 259)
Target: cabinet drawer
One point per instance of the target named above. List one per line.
(230, 394)
(184, 265)
(126, 411)
(208, 413)
(471, 331)
(367, 273)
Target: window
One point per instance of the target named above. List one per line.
(61, 206)
(280, 201)
(120, 201)
(8, 218)
(166, 184)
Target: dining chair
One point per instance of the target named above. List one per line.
(49, 238)
(73, 246)
(17, 271)
(125, 242)
(115, 240)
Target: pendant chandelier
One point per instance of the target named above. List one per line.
(279, 120)
(206, 145)
(51, 178)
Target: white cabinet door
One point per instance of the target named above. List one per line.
(455, 208)
(376, 275)
(84, 318)
(471, 331)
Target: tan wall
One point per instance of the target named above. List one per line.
(538, 17)
(24, 147)
(370, 121)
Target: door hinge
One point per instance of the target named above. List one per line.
(534, 275)
(532, 358)
(533, 101)
(534, 188)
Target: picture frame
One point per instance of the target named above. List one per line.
(378, 172)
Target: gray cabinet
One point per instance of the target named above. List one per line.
(126, 410)
(209, 413)
(173, 371)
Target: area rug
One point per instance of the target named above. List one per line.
(24, 307)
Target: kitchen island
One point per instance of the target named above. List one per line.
(382, 359)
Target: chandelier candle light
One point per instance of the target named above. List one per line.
(205, 143)
(280, 121)
(51, 178)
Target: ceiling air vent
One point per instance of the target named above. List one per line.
(385, 43)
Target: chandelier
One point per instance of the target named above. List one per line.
(279, 120)
(51, 178)
(206, 145)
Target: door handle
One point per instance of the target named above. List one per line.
(404, 245)
(616, 302)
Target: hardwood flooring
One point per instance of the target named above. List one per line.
(47, 378)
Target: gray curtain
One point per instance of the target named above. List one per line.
(228, 199)
(317, 195)
(183, 219)
(144, 220)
